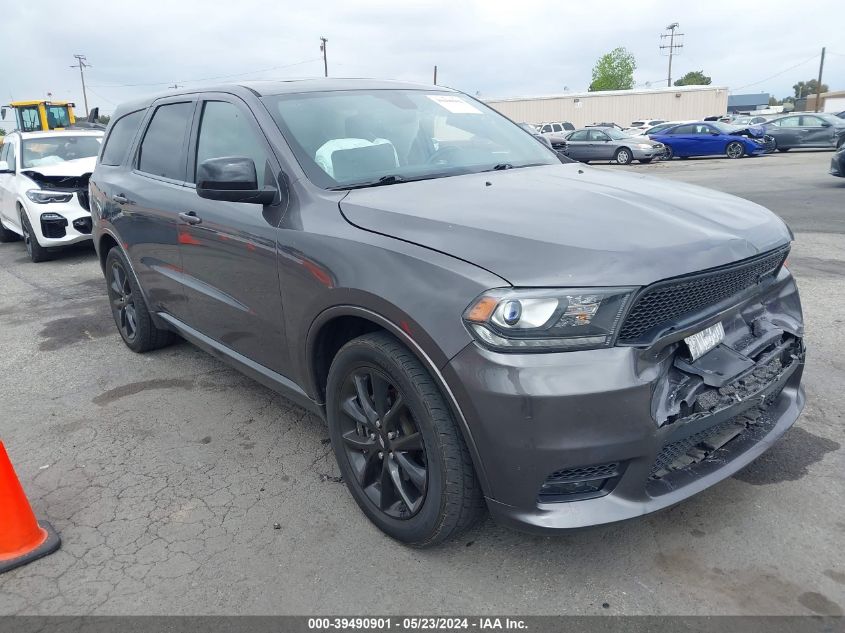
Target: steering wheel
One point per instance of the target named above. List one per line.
(440, 156)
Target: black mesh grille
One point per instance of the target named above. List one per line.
(667, 301)
(584, 473)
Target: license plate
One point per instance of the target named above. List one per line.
(702, 342)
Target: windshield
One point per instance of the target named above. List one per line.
(724, 128)
(57, 116)
(356, 137)
(58, 149)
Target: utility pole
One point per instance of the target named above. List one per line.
(819, 86)
(671, 47)
(323, 41)
(82, 64)
(435, 75)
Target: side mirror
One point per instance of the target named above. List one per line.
(3, 113)
(93, 115)
(825, 124)
(232, 179)
(4, 168)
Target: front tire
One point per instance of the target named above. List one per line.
(645, 161)
(668, 154)
(36, 252)
(784, 149)
(397, 445)
(734, 150)
(623, 156)
(129, 309)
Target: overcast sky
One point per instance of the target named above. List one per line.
(491, 47)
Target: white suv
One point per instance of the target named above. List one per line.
(44, 188)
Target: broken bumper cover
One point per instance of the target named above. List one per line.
(656, 434)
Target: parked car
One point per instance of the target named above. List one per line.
(644, 124)
(712, 138)
(605, 124)
(44, 189)
(806, 130)
(477, 323)
(532, 130)
(748, 120)
(655, 128)
(557, 127)
(612, 145)
(837, 163)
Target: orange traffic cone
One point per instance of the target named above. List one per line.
(22, 539)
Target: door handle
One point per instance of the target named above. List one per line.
(119, 197)
(190, 217)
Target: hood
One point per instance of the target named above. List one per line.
(70, 174)
(751, 131)
(569, 224)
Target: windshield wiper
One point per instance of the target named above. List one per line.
(391, 179)
(502, 166)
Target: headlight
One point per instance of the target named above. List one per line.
(545, 320)
(645, 146)
(45, 197)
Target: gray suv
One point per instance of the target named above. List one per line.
(479, 323)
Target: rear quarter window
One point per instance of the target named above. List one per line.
(120, 137)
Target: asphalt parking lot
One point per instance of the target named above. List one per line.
(181, 487)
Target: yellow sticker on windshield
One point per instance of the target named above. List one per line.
(454, 104)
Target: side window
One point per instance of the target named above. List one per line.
(546, 128)
(120, 137)
(811, 121)
(684, 129)
(556, 127)
(595, 135)
(790, 121)
(225, 131)
(162, 151)
(580, 135)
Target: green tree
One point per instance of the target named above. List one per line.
(806, 88)
(694, 78)
(614, 71)
(2, 131)
(103, 119)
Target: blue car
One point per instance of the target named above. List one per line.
(712, 138)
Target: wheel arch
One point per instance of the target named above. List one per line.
(336, 326)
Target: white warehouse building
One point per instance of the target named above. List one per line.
(680, 103)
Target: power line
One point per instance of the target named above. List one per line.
(185, 81)
(776, 74)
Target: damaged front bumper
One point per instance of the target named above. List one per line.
(584, 438)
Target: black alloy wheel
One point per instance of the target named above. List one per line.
(122, 301)
(383, 443)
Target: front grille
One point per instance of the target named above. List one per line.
(707, 444)
(670, 300)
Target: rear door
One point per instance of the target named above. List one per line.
(682, 139)
(229, 255)
(815, 132)
(150, 194)
(787, 131)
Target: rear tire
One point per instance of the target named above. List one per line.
(623, 156)
(398, 448)
(734, 150)
(36, 252)
(129, 309)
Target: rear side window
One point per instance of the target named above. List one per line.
(684, 129)
(121, 135)
(556, 127)
(162, 151)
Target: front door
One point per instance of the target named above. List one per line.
(229, 255)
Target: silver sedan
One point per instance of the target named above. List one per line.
(612, 145)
